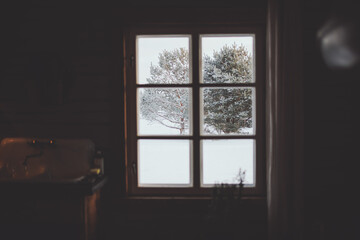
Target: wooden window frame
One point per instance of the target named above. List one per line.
(130, 88)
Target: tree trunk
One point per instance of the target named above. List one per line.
(182, 126)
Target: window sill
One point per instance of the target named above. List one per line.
(169, 200)
(182, 206)
(245, 198)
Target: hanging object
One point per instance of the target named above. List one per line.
(339, 38)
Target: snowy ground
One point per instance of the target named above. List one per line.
(169, 161)
(152, 128)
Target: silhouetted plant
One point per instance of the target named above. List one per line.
(224, 218)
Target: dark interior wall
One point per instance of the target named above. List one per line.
(331, 106)
(61, 77)
(55, 77)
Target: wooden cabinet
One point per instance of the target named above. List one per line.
(49, 212)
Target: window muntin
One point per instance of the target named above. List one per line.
(197, 137)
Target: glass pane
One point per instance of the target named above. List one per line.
(227, 58)
(223, 159)
(228, 111)
(164, 162)
(163, 59)
(163, 111)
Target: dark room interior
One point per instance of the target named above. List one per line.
(66, 71)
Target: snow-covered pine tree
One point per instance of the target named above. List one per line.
(168, 106)
(226, 110)
(231, 64)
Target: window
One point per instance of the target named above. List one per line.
(194, 110)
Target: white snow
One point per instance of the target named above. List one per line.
(153, 128)
(222, 160)
(168, 162)
(164, 162)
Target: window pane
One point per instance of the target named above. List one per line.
(163, 111)
(222, 160)
(163, 59)
(164, 162)
(227, 58)
(228, 111)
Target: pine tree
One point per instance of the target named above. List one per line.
(226, 110)
(168, 106)
(232, 64)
